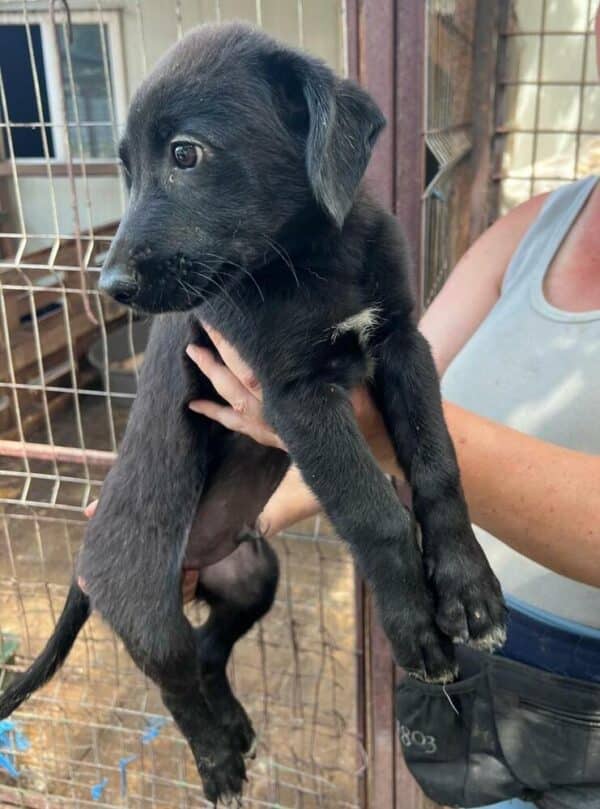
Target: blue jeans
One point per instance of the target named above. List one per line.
(545, 641)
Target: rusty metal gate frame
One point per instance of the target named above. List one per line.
(386, 47)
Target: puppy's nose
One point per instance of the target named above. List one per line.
(119, 284)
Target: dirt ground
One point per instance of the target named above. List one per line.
(98, 734)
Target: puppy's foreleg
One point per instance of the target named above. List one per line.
(469, 606)
(317, 424)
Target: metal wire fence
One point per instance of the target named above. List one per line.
(97, 735)
(540, 88)
(549, 98)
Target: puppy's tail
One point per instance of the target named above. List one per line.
(74, 615)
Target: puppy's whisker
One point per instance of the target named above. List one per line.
(189, 292)
(249, 274)
(193, 293)
(283, 255)
(240, 267)
(212, 280)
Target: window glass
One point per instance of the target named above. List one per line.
(88, 90)
(19, 88)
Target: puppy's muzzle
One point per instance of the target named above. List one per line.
(120, 283)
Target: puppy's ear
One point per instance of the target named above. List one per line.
(339, 121)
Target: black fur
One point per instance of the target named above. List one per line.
(270, 239)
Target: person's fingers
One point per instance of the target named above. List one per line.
(292, 501)
(245, 412)
(255, 428)
(90, 509)
(189, 583)
(234, 362)
(226, 383)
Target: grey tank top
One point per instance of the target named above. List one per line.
(535, 368)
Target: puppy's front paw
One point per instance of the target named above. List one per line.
(236, 722)
(469, 604)
(222, 772)
(418, 645)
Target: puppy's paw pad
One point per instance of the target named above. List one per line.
(494, 639)
(442, 677)
(470, 620)
(250, 753)
(426, 654)
(240, 730)
(231, 801)
(223, 776)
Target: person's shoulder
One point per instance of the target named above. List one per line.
(522, 216)
(498, 243)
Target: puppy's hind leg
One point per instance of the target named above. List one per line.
(239, 570)
(132, 553)
(220, 765)
(240, 591)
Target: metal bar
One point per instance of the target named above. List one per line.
(385, 53)
(552, 178)
(42, 123)
(485, 61)
(376, 72)
(498, 139)
(409, 79)
(67, 144)
(505, 130)
(544, 32)
(536, 116)
(362, 711)
(546, 83)
(46, 452)
(371, 60)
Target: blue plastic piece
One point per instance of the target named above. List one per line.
(11, 740)
(6, 764)
(153, 728)
(123, 763)
(98, 789)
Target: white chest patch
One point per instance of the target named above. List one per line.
(362, 323)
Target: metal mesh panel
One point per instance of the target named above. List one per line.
(549, 98)
(97, 734)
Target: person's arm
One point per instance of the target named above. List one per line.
(538, 497)
(541, 499)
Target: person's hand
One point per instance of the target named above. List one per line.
(235, 382)
(189, 579)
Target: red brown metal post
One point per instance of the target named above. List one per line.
(386, 54)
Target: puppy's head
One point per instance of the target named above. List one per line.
(231, 138)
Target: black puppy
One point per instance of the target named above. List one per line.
(243, 160)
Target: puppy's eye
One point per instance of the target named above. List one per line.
(186, 155)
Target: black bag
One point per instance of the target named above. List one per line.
(505, 730)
